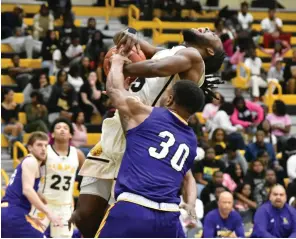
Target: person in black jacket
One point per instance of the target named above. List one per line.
(49, 45)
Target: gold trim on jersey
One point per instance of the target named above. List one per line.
(104, 221)
(179, 117)
(34, 224)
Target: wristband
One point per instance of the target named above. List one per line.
(132, 30)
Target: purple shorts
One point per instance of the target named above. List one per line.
(126, 219)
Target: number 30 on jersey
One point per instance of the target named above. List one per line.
(181, 153)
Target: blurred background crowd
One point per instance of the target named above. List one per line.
(53, 68)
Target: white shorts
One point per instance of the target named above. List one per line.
(63, 211)
(99, 187)
(104, 160)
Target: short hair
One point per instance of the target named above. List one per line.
(188, 95)
(227, 107)
(38, 135)
(281, 108)
(244, 4)
(237, 99)
(62, 120)
(231, 147)
(214, 63)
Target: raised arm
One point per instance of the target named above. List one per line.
(182, 61)
(131, 109)
(129, 38)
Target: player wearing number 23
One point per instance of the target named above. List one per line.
(159, 153)
(58, 177)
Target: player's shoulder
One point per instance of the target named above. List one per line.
(29, 161)
(191, 52)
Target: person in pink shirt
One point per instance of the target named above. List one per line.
(79, 139)
(279, 120)
(211, 109)
(279, 51)
(246, 113)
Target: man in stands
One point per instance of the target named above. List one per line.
(275, 218)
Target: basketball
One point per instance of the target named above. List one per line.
(134, 57)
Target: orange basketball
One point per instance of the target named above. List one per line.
(134, 57)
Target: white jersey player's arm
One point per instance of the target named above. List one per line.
(30, 170)
(183, 61)
(132, 111)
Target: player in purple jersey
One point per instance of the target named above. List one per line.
(21, 194)
(159, 154)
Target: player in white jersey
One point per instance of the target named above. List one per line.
(59, 175)
(201, 54)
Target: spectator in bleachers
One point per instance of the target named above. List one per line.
(279, 51)
(290, 74)
(276, 73)
(275, 218)
(226, 35)
(269, 137)
(85, 68)
(208, 193)
(10, 126)
(43, 21)
(88, 32)
(209, 206)
(194, 123)
(205, 169)
(272, 28)
(233, 156)
(49, 45)
(291, 191)
(254, 64)
(41, 84)
(10, 21)
(21, 75)
(253, 149)
(60, 8)
(75, 51)
(95, 49)
(74, 77)
(247, 114)
(245, 207)
(291, 167)
(62, 102)
(224, 221)
(244, 17)
(21, 43)
(256, 178)
(270, 179)
(236, 173)
(222, 120)
(279, 120)
(36, 113)
(218, 141)
(211, 109)
(66, 33)
(91, 97)
(79, 139)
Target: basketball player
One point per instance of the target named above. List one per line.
(21, 194)
(201, 54)
(60, 169)
(160, 151)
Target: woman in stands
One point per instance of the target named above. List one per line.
(10, 126)
(247, 114)
(219, 141)
(79, 139)
(236, 173)
(41, 84)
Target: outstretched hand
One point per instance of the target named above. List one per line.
(128, 41)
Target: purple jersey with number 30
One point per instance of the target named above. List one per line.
(158, 154)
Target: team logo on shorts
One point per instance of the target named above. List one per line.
(96, 150)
